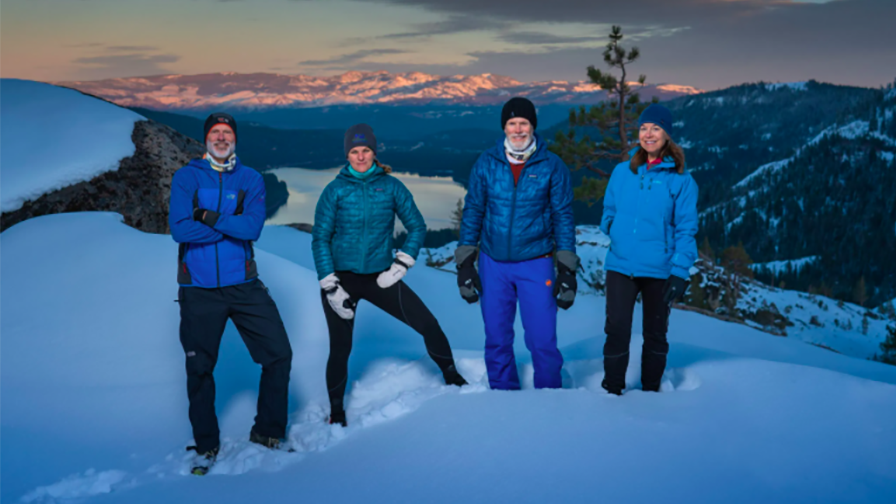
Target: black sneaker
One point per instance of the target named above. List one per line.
(452, 377)
(203, 461)
(268, 442)
(337, 416)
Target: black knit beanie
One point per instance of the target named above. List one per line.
(518, 107)
(219, 118)
(359, 134)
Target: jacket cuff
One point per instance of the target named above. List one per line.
(681, 272)
(462, 253)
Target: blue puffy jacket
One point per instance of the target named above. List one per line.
(651, 219)
(354, 223)
(221, 255)
(519, 222)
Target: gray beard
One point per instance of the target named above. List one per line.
(210, 147)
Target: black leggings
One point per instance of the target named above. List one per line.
(400, 302)
(622, 291)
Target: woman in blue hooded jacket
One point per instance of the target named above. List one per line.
(354, 224)
(650, 215)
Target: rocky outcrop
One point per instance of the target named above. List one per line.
(138, 190)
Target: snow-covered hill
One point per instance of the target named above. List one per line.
(54, 137)
(264, 90)
(94, 402)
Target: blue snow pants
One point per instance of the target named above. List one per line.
(532, 283)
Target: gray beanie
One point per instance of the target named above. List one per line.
(359, 134)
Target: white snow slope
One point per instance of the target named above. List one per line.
(94, 400)
(44, 125)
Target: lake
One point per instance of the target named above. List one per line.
(436, 197)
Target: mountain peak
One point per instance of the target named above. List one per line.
(268, 90)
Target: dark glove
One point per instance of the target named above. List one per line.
(566, 284)
(674, 288)
(207, 217)
(467, 277)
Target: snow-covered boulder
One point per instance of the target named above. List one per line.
(64, 151)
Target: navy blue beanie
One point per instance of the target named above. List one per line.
(519, 107)
(359, 134)
(219, 118)
(659, 115)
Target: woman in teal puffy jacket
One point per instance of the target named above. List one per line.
(354, 225)
(650, 215)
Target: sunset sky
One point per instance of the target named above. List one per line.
(704, 43)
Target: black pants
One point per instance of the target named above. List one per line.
(622, 291)
(203, 317)
(400, 302)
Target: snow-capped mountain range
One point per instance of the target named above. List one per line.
(269, 90)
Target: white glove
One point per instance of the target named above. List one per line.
(399, 269)
(339, 300)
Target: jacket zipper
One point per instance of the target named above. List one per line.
(364, 235)
(512, 212)
(220, 195)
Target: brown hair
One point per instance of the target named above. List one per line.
(386, 168)
(671, 149)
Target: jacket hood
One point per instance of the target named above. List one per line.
(541, 150)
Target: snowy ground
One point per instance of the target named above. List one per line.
(44, 125)
(94, 402)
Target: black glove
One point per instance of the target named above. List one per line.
(565, 287)
(211, 216)
(674, 288)
(468, 280)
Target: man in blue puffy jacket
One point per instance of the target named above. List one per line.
(518, 219)
(216, 211)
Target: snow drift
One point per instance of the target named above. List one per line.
(94, 401)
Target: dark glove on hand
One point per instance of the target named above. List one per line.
(468, 280)
(209, 219)
(674, 288)
(565, 287)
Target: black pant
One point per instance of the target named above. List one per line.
(400, 302)
(622, 291)
(203, 317)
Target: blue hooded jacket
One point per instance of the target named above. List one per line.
(513, 223)
(354, 223)
(221, 255)
(651, 219)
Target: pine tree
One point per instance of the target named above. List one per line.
(707, 251)
(616, 119)
(888, 347)
(859, 292)
(457, 216)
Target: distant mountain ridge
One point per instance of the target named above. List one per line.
(270, 90)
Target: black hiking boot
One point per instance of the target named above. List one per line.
(268, 442)
(203, 461)
(337, 416)
(452, 377)
(610, 390)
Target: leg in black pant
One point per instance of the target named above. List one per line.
(622, 291)
(258, 321)
(400, 302)
(404, 304)
(340, 349)
(203, 316)
(655, 322)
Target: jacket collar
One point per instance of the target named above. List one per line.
(667, 164)
(344, 173)
(540, 153)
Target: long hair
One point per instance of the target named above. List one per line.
(671, 149)
(386, 168)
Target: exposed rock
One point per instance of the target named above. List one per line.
(302, 226)
(138, 190)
